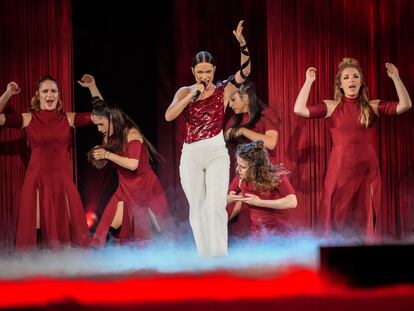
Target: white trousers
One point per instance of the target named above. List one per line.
(204, 173)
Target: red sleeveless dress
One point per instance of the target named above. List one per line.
(62, 216)
(351, 201)
(140, 190)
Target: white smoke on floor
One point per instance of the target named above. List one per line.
(165, 257)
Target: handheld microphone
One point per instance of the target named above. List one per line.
(198, 93)
(196, 96)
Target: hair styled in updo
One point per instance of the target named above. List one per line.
(261, 172)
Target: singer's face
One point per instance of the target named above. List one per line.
(204, 72)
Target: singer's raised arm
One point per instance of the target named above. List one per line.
(242, 74)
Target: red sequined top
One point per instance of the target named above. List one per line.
(204, 118)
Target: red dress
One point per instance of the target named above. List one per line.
(62, 216)
(352, 190)
(140, 190)
(266, 220)
(240, 225)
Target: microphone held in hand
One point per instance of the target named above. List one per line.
(197, 94)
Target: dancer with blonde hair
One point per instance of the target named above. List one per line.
(352, 195)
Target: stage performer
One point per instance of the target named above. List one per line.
(51, 213)
(252, 120)
(263, 188)
(138, 210)
(204, 165)
(352, 192)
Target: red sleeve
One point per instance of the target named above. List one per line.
(82, 119)
(387, 108)
(14, 120)
(228, 124)
(317, 111)
(234, 185)
(285, 188)
(269, 119)
(134, 148)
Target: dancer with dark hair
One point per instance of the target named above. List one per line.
(252, 120)
(264, 189)
(204, 166)
(138, 210)
(51, 213)
(352, 195)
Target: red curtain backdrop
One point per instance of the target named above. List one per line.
(304, 33)
(36, 40)
(284, 37)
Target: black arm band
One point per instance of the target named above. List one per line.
(96, 100)
(244, 50)
(245, 64)
(234, 82)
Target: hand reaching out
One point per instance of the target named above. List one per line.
(238, 33)
(13, 88)
(392, 71)
(311, 74)
(87, 80)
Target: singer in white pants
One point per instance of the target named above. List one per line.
(205, 164)
(204, 172)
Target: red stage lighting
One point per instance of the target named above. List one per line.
(91, 218)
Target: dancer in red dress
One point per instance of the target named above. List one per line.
(138, 209)
(264, 189)
(352, 194)
(204, 164)
(253, 120)
(50, 201)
